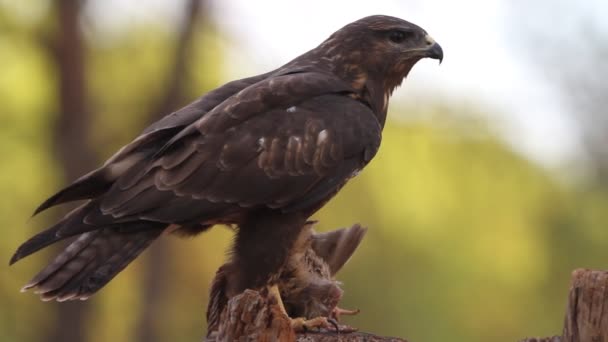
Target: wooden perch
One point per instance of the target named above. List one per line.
(251, 317)
(587, 311)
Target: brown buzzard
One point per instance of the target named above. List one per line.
(262, 153)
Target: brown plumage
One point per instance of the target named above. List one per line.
(263, 153)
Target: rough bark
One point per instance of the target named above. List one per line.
(252, 317)
(587, 311)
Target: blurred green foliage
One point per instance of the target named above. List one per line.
(468, 240)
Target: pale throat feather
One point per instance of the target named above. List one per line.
(387, 95)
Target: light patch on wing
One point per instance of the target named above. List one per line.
(267, 159)
(127, 148)
(263, 149)
(295, 139)
(291, 109)
(322, 152)
(322, 137)
(292, 153)
(221, 163)
(116, 169)
(261, 143)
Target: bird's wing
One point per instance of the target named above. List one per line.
(288, 142)
(134, 155)
(205, 103)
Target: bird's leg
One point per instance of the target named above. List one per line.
(261, 249)
(301, 324)
(273, 291)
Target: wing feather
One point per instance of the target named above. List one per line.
(286, 143)
(152, 138)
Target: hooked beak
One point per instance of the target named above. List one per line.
(433, 50)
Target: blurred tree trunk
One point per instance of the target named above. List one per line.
(77, 156)
(158, 259)
(71, 142)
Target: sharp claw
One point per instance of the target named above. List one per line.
(301, 324)
(334, 322)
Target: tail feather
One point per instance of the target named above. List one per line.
(90, 262)
(52, 275)
(69, 289)
(88, 186)
(36, 243)
(72, 222)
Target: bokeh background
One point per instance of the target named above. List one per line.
(490, 187)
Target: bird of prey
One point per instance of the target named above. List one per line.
(307, 284)
(262, 153)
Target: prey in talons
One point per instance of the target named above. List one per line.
(307, 283)
(302, 324)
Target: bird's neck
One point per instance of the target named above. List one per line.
(373, 94)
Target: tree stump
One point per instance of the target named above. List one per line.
(253, 317)
(587, 310)
(587, 313)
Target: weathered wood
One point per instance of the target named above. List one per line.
(252, 317)
(587, 312)
(350, 337)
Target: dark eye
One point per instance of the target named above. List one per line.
(397, 36)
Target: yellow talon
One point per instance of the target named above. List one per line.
(302, 324)
(273, 291)
(299, 324)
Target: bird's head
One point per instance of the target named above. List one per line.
(379, 47)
